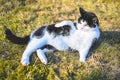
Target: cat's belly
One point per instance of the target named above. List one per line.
(73, 41)
(58, 43)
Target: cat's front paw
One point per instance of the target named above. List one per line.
(44, 61)
(42, 56)
(82, 60)
(25, 62)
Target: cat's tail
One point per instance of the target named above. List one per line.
(15, 39)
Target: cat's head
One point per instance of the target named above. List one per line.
(87, 20)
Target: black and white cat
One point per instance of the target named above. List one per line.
(60, 37)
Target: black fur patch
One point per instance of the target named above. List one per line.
(39, 32)
(49, 47)
(90, 17)
(66, 30)
(63, 30)
(15, 39)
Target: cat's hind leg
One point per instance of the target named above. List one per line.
(41, 53)
(32, 46)
(42, 56)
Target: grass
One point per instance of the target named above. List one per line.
(23, 16)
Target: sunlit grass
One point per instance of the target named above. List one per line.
(23, 16)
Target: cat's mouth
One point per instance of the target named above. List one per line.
(84, 29)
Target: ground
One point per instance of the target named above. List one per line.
(23, 16)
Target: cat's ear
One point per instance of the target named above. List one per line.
(82, 11)
(94, 19)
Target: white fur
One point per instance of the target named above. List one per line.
(32, 46)
(70, 23)
(80, 40)
(42, 56)
(83, 26)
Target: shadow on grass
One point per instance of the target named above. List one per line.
(117, 76)
(110, 37)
